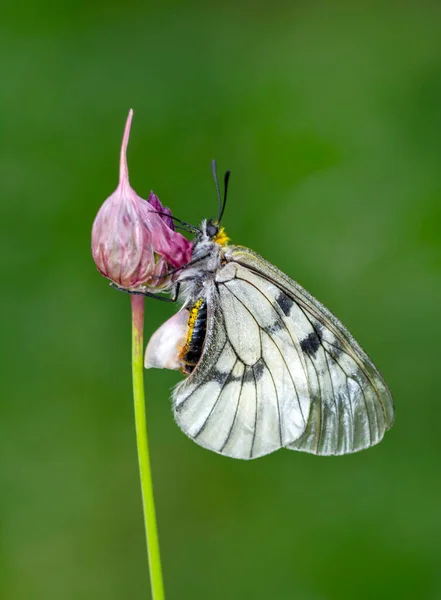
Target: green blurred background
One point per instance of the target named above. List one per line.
(329, 116)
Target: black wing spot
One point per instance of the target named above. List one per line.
(310, 344)
(274, 328)
(285, 302)
(258, 369)
(219, 376)
(248, 375)
(253, 373)
(334, 351)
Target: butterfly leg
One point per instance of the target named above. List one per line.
(173, 271)
(148, 294)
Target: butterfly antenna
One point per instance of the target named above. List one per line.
(188, 226)
(226, 180)
(216, 182)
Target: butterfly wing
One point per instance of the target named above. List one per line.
(278, 369)
(351, 406)
(248, 395)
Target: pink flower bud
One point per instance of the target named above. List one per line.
(131, 243)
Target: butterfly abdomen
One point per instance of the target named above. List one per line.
(197, 326)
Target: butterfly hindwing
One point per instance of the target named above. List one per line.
(248, 396)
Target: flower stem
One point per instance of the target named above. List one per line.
(143, 449)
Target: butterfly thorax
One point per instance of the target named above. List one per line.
(195, 281)
(206, 259)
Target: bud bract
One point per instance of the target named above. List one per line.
(133, 245)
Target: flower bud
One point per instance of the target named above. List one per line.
(131, 243)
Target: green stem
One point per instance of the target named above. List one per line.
(148, 502)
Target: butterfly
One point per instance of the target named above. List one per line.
(267, 366)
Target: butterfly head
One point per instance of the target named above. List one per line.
(214, 232)
(212, 229)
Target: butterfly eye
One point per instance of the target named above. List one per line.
(212, 230)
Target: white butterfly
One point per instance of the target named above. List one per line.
(267, 365)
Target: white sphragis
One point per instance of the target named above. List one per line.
(163, 349)
(267, 365)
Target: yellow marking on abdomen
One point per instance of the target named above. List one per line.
(194, 311)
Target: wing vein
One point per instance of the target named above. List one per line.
(333, 391)
(255, 417)
(281, 319)
(359, 356)
(277, 399)
(352, 357)
(180, 406)
(235, 414)
(226, 381)
(278, 349)
(246, 308)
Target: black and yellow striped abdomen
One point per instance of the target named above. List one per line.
(197, 326)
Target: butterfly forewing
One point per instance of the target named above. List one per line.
(351, 407)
